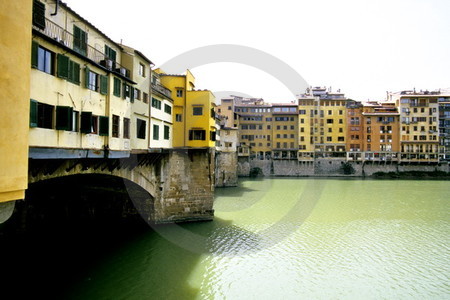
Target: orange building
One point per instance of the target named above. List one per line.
(381, 130)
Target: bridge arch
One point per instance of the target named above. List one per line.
(144, 171)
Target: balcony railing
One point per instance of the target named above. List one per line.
(65, 38)
(163, 90)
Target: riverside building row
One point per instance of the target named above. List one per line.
(93, 97)
(410, 126)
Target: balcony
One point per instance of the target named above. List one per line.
(66, 39)
(161, 89)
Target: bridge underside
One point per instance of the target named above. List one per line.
(179, 183)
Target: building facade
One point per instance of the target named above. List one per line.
(82, 95)
(194, 119)
(419, 117)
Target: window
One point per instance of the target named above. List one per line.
(86, 122)
(167, 109)
(126, 90)
(64, 118)
(340, 138)
(94, 125)
(156, 103)
(39, 14)
(166, 132)
(179, 118)
(91, 80)
(42, 59)
(103, 128)
(179, 93)
(197, 110)
(197, 135)
(145, 97)
(75, 118)
(137, 94)
(141, 70)
(302, 112)
(212, 136)
(115, 126)
(79, 40)
(41, 115)
(329, 121)
(329, 139)
(155, 132)
(126, 128)
(117, 85)
(140, 128)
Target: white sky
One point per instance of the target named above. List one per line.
(363, 47)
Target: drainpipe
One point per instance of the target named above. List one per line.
(56, 8)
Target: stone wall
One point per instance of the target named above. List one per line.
(188, 189)
(243, 167)
(226, 169)
(329, 167)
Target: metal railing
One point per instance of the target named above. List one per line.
(163, 90)
(67, 39)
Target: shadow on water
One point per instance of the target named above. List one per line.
(62, 255)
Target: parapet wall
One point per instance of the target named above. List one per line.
(330, 167)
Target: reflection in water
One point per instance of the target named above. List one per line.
(288, 239)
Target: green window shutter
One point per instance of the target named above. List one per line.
(64, 118)
(34, 54)
(84, 42)
(103, 126)
(131, 94)
(33, 113)
(113, 55)
(117, 84)
(39, 14)
(86, 122)
(76, 38)
(166, 132)
(70, 75)
(107, 51)
(86, 77)
(103, 85)
(124, 95)
(79, 40)
(63, 66)
(75, 72)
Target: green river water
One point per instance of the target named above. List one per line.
(282, 238)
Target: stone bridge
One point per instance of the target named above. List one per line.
(180, 183)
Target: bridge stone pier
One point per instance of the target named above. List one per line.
(180, 181)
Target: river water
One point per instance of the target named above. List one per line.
(283, 238)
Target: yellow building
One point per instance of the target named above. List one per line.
(419, 117)
(194, 123)
(89, 95)
(326, 112)
(15, 40)
(285, 130)
(254, 118)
